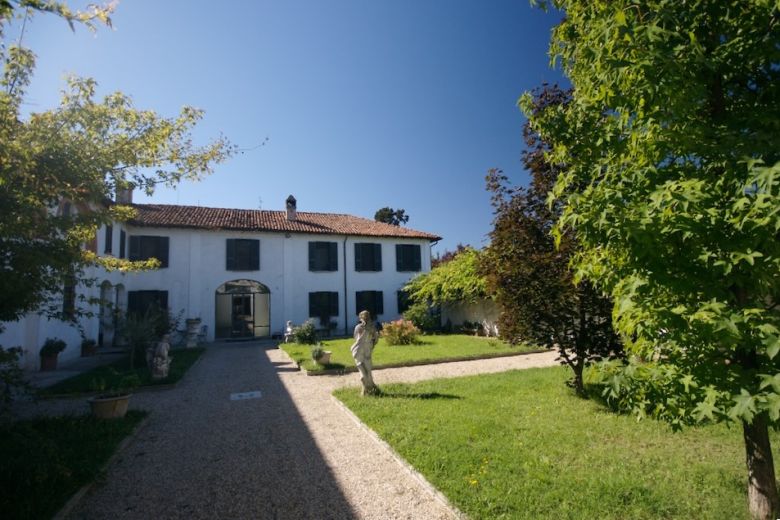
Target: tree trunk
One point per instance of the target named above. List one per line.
(762, 487)
(578, 367)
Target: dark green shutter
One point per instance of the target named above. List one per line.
(135, 248)
(230, 254)
(162, 251)
(312, 262)
(379, 304)
(399, 257)
(255, 255)
(417, 263)
(377, 257)
(358, 257)
(122, 241)
(109, 240)
(333, 257)
(334, 303)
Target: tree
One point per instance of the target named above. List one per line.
(458, 280)
(530, 276)
(672, 188)
(448, 255)
(391, 216)
(59, 169)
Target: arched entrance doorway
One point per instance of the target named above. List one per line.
(243, 310)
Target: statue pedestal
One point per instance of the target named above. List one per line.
(193, 328)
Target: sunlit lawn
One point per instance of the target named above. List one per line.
(431, 348)
(522, 445)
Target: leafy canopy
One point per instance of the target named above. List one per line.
(456, 280)
(78, 156)
(672, 188)
(394, 217)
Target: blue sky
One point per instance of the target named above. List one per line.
(365, 104)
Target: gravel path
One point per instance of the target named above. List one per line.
(291, 453)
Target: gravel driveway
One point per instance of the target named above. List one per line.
(291, 453)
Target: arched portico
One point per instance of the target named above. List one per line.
(243, 310)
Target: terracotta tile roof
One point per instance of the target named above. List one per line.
(196, 217)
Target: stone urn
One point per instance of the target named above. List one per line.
(324, 359)
(109, 406)
(193, 329)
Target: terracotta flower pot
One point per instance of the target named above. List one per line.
(48, 363)
(109, 407)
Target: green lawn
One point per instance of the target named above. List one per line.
(44, 462)
(108, 375)
(431, 348)
(521, 445)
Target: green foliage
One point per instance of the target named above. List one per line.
(12, 380)
(394, 217)
(81, 153)
(306, 333)
(400, 332)
(672, 181)
(46, 461)
(422, 316)
(52, 347)
(317, 352)
(458, 280)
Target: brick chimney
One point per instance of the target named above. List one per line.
(291, 205)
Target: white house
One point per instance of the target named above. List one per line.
(244, 273)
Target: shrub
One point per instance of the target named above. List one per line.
(305, 334)
(12, 381)
(400, 332)
(420, 315)
(52, 347)
(317, 352)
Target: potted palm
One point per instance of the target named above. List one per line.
(49, 352)
(114, 398)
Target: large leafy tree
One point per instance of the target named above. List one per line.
(458, 280)
(672, 187)
(530, 276)
(59, 169)
(391, 216)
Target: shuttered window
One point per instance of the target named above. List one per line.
(323, 304)
(368, 257)
(242, 254)
(144, 247)
(371, 301)
(122, 242)
(407, 257)
(323, 256)
(403, 301)
(109, 240)
(139, 302)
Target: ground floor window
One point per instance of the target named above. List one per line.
(371, 301)
(139, 302)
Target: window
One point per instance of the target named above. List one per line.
(371, 301)
(69, 298)
(138, 302)
(109, 240)
(407, 257)
(368, 257)
(242, 254)
(323, 304)
(323, 256)
(146, 247)
(404, 302)
(122, 240)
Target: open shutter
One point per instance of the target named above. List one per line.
(358, 257)
(379, 303)
(377, 257)
(333, 257)
(230, 254)
(162, 251)
(416, 258)
(399, 257)
(334, 303)
(122, 242)
(255, 255)
(312, 259)
(135, 248)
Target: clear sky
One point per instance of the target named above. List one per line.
(365, 103)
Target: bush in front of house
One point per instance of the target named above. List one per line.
(400, 332)
(52, 347)
(305, 334)
(420, 315)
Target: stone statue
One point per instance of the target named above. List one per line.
(161, 362)
(366, 337)
(288, 332)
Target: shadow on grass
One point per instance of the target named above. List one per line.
(420, 396)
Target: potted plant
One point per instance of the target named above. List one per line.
(320, 355)
(88, 347)
(114, 399)
(49, 352)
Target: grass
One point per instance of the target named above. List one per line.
(108, 376)
(431, 348)
(45, 461)
(521, 445)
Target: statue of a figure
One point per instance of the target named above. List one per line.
(161, 362)
(366, 337)
(288, 332)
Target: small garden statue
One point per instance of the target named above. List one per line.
(161, 362)
(366, 337)
(288, 332)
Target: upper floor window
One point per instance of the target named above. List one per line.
(407, 257)
(243, 254)
(368, 257)
(371, 301)
(122, 241)
(143, 247)
(323, 256)
(109, 240)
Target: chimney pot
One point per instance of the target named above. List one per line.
(291, 205)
